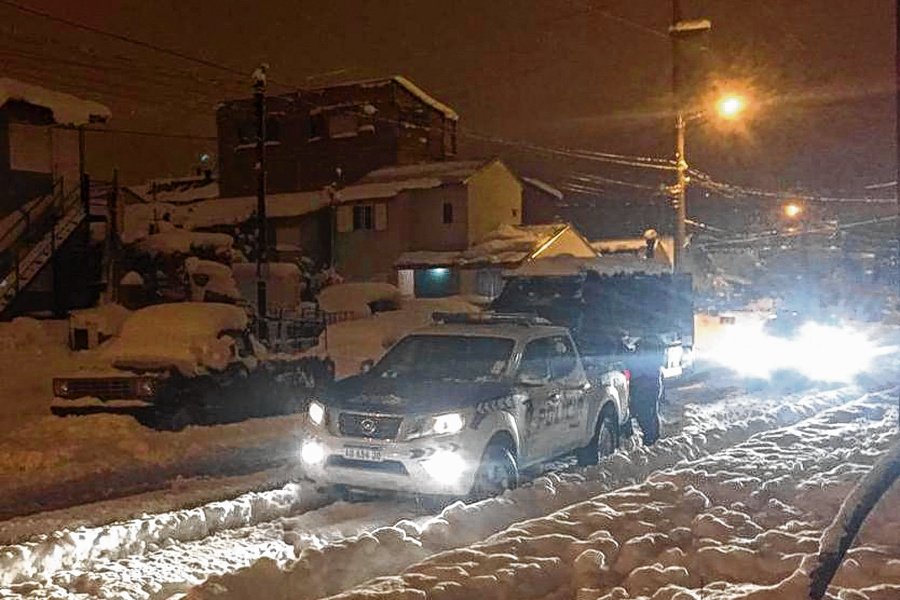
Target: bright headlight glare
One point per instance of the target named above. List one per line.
(312, 453)
(444, 465)
(447, 424)
(316, 412)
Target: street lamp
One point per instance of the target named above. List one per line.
(792, 210)
(730, 106)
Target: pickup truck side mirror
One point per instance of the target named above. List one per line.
(366, 365)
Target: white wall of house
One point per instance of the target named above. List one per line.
(494, 199)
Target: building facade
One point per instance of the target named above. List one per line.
(332, 135)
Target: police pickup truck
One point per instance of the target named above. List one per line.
(461, 407)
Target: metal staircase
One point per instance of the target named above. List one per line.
(32, 236)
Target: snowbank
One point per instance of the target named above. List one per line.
(106, 320)
(356, 298)
(210, 276)
(185, 336)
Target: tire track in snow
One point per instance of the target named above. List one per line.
(329, 570)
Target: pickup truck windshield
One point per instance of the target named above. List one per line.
(444, 357)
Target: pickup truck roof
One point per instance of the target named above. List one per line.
(504, 330)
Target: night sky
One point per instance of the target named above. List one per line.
(574, 73)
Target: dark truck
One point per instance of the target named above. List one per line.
(645, 320)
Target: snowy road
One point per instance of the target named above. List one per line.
(260, 535)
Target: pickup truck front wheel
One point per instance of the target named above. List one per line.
(604, 442)
(498, 472)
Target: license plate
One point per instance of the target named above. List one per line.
(363, 453)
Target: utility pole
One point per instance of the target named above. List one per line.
(679, 32)
(259, 95)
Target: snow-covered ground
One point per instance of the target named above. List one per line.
(287, 543)
(762, 454)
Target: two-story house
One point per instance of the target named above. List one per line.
(332, 135)
(439, 206)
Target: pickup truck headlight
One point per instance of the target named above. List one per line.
(316, 412)
(446, 424)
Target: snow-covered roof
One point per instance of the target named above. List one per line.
(544, 187)
(66, 109)
(406, 84)
(506, 245)
(184, 335)
(390, 181)
(416, 91)
(216, 212)
(176, 191)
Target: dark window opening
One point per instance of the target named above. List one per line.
(318, 126)
(343, 125)
(247, 133)
(363, 217)
(448, 213)
(273, 129)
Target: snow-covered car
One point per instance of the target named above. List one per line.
(191, 362)
(461, 407)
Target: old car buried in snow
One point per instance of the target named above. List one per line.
(189, 363)
(461, 407)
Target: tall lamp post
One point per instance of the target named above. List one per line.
(680, 32)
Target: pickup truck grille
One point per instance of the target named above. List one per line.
(117, 388)
(369, 426)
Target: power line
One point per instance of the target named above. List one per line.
(123, 38)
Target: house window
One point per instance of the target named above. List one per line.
(448, 213)
(363, 217)
(273, 129)
(247, 133)
(343, 125)
(318, 126)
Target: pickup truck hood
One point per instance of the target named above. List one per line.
(410, 396)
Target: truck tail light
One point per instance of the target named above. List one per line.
(60, 387)
(145, 387)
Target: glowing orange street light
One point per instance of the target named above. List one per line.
(792, 210)
(730, 106)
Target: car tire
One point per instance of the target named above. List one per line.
(497, 473)
(604, 442)
(647, 395)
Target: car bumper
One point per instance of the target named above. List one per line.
(88, 402)
(443, 465)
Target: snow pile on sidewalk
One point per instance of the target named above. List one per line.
(335, 568)
(44, 557)
(356, 298)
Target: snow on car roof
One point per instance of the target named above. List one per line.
(181, 335)
(66, 109)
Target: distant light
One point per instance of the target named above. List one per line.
(204, 158)
(729, 107)
(439, 272)
(792, 210)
